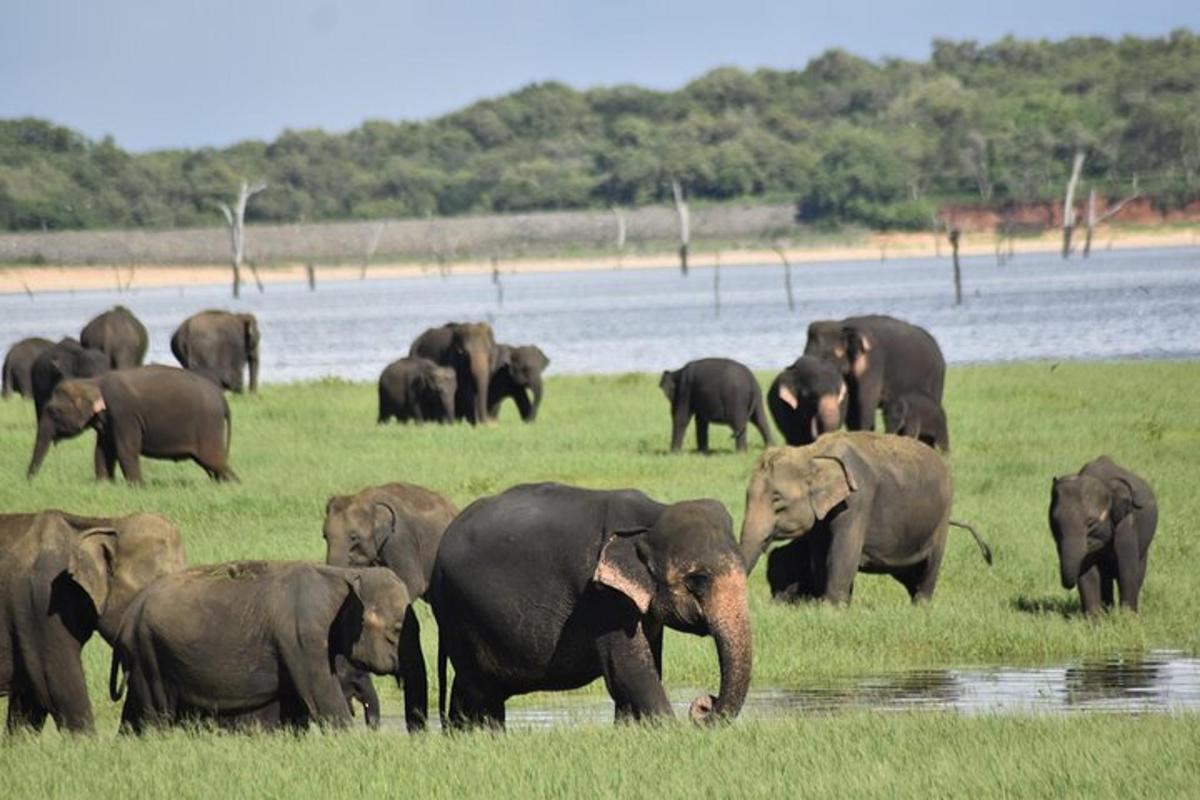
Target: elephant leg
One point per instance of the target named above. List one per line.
(701, 434)
(24, 710)
(472, 706)
(1130, 569)
(764, 428)
(923, 591)
(740, 435)
(105, 458)
(128, 448)
(1089, 591)
(847, 534)
(631, 674)
(679, 423)
(1108, 579)
(412, 674)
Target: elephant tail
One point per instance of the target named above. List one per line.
(441, 678)
(116, 677)
(983, 547)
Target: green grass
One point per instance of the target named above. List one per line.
(1013, 427)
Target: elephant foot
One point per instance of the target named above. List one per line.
(701, 708)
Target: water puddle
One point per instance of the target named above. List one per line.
(1154, 682)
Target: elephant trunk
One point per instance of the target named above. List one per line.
(252, 361)
(536, 387)
(758, 526)
(45, 437)
(829, 412)
(1070, 559)
(481, 372)
(728, 613)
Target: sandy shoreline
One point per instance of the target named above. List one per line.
(18, 279)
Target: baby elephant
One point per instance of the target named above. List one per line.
(418, 389)
(1103, 520)
(714, 390)
(920, 416)
(156, 411)
(228, 640)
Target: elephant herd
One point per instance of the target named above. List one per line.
(541, 587)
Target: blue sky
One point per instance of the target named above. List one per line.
(162, 73)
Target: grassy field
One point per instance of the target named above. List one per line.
(1013, 427)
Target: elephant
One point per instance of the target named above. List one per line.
(63, 577)
(792, 574)
(415, 388)
(807, 399)
(66, 359)
(156, 411)
(1103, 519)
(714, 390)
(470, 349)
(881, 358)
(18, 366)
(517, 374)
(920, 416)
(866, 502)
(548, 587)
(219, 345)
(398, 526)
(119, 335)
(221, 641)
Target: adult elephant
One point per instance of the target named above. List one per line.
(807, 399)
(398, 526)
(548, 587)
(119, 335)
(223, 641)
(156, 411)
(865, 502)
(880, 358)
(517, 375)
(18, 366)
(67, 359)
(1103, 519)
(219, 345)
(63, 577)
(470, 349)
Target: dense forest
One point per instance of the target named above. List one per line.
(848, 140)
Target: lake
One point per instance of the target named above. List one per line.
(1126, 304)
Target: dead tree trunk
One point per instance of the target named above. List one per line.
(619, 213)
(1069, 203)
(372, 246)
(496, 281)
(235, 217)
(954, 237)
(787, 275)
(1093, 220)
(681, 209)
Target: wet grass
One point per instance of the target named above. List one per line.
(1014, 426)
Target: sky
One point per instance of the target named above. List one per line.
(162, 73)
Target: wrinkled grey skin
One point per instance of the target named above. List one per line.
(807, 399)
(67, 359)
(470, 349)
(156, 411)
(221, 346)
(417, 389)
(518, 375)
(398, 526)
(714, 390)
(119, 335)
(17, 374)
(865, 502)
(62, 577)
(225, 640)
(1103, 519)
(919, 416)
(547, 587)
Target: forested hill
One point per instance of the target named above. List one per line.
(847, 139)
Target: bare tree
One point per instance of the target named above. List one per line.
(954, 235)
(235, 217)
(778, 247)
(681, 208)
(372, 246)
(496, 280)
(1113, 210)
(619, 213)
(1069, 203)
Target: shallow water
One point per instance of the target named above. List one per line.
(1154, 682)
(1120, 304)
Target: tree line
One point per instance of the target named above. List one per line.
(849, 140)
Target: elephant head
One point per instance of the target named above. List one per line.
(475, 349)
(522, 368)
(812, 392)
(356, 531)
(371, 619)
(251, 338)
(1084, 511)
(685, 571)
(844, 346)
(792, 489)
(669, 383)
(73, 406)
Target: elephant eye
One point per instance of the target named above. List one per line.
(698, 583)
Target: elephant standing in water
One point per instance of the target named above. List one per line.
(880, 358)
(470, 349)
(807, 399)
(119, 335)
(714, 390)
(416, 389)
(62, 577)
(517, 374)
(398, 526)
(864, 502)
(156, 411)
(67, 359)
(548, 587)
(219, 345)
(17, 375)
(1103, 519)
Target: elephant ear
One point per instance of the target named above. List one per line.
(829, 483)
(620, 567)
(1125, 498)
(91, 562)
(858, 345)
(384, 525)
